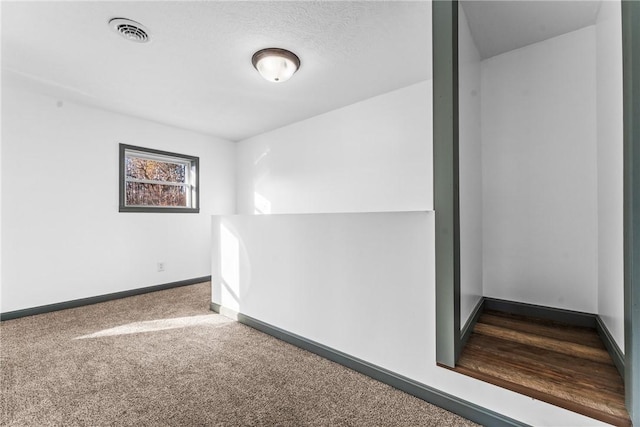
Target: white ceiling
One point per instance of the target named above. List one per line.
(196, 73)
(501, 26)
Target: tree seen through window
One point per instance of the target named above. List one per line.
(156, 180)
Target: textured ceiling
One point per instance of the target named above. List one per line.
(196, 73)
(501, 26)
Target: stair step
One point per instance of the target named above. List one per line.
(563, 365)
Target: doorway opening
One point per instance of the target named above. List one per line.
(529, 148)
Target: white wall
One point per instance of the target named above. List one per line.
(470, 153)
(348, 267)
(63, 237)
(372, 156)
(610, 165)
(361, 283)
(539, 173)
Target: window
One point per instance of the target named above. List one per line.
(157, 181)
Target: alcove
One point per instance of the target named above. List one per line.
(536, 223)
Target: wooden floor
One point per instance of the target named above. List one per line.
(566, 366)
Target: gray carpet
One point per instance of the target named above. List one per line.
(164, 359)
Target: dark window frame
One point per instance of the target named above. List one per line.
(195, 165)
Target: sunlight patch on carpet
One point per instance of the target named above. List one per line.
(160, 325)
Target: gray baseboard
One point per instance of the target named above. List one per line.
(226, 312)
(612, 347)
(466, 331)
(576, 318)
(97, 299)
(449, 402)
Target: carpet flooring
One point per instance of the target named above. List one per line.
(164, 359)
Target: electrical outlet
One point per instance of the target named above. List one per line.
(161, 266)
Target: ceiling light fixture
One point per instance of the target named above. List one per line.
(275, 65)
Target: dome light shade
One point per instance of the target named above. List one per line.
(275, 65)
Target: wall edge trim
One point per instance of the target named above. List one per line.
(630, 11)
(9, 315)
(446, 200)
(429, 394)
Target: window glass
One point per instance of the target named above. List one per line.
(157, 181)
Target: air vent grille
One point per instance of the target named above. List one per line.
(130, 30)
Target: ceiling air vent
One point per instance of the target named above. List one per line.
(130, 30)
